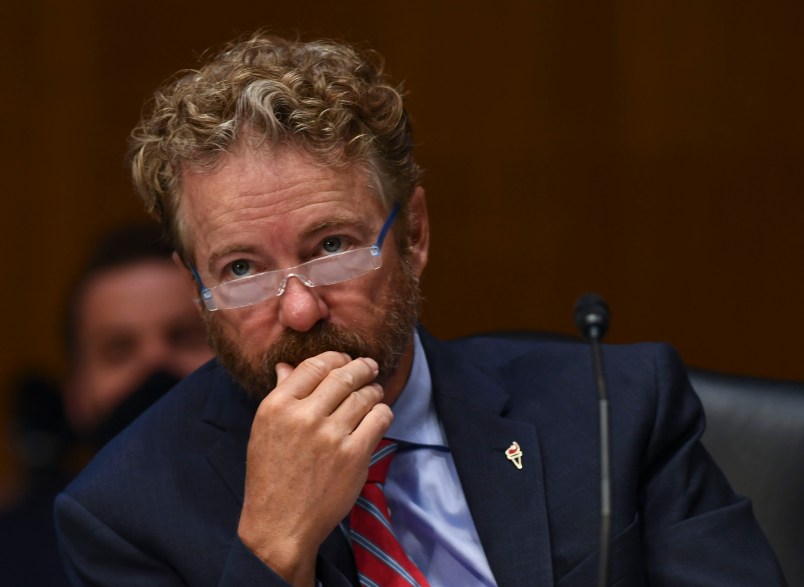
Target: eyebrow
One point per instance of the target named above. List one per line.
(213, 258)
(335, 222)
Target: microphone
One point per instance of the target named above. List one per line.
(592, 319)
(592, 316)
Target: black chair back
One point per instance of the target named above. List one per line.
(755, 432)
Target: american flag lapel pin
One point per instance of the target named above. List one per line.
(514, 454)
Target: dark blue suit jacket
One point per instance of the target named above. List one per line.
(160, 505)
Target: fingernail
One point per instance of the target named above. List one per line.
(371, 363)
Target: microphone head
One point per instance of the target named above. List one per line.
(592, 316)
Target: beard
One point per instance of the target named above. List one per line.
(390, 335)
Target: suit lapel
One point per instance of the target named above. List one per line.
(507, 504)
(231, 411)
(336, 564)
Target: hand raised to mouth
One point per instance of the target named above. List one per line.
(308, 455)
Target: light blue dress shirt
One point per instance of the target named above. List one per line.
(429, 513)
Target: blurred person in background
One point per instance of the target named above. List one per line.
(132, 332)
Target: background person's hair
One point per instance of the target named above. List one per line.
(325, 98)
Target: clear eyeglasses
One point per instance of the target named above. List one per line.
(327, 270)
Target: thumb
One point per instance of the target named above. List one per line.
(283, 370)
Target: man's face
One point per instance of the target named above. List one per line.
(262, 211)
(132, 321)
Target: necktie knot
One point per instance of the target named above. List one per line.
(381, 461)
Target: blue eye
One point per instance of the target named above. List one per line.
(332, 244)
(240, 268)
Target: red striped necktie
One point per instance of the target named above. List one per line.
(379, 557)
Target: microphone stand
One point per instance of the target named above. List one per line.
(605, 463)
(592, 320)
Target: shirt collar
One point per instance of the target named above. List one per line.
(415, 419)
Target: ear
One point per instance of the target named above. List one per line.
(418, 231)
(191, 282)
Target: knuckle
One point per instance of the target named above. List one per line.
(271, 404)
(306, 420)
(321, 365)
(343, 376)
(360, 397)
(329, 437)
(316, 366)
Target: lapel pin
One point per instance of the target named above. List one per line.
(514, 454)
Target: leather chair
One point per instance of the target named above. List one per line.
(755, 432)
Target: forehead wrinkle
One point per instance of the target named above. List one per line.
(258, 204)
(247, 216)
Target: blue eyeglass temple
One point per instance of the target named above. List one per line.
(376, 248)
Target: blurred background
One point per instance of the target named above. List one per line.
(648, 151)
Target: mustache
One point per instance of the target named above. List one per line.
(293, 347)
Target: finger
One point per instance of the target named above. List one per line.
(304, 379)
(340, 383)
(351, 411)
(372, 428)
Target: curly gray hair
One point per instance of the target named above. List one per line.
(322, 97)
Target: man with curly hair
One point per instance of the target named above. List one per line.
(284, 172)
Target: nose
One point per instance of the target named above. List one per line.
(300, 307)
(157, 353)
